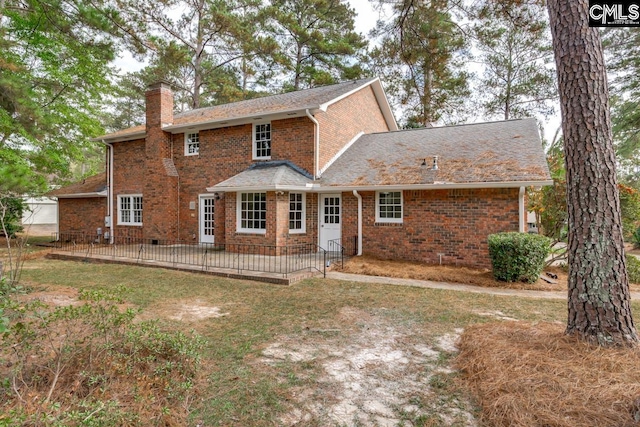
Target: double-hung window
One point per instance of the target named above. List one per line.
(297, 212)
(130, 209)
(262, 141)
(252, 213)
(191, 144)
(389, 206)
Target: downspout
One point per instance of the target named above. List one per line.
(110, 195)
(316, 150)
(521, 212)
(359, 197)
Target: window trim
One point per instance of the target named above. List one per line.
(389, 220)
(119, 216)
(254, 148)
(303, 216)
(239, 228)
(187, 142)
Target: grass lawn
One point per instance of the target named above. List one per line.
(318, 353)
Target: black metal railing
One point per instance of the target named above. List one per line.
(283, 260)
(340, 249)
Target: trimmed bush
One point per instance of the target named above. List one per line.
(518, 256)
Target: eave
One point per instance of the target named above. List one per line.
(318, 188)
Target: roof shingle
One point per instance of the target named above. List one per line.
(506, 151)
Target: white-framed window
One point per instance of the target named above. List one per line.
(389, 206)
(191, 144)
(262, 141)
(252, 213)
(130, 209)
(297, 205)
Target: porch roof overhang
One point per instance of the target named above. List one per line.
(267, 176)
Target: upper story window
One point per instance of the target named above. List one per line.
(252, 213)
(130, 209)
(191, 144)
(389, 206)
(262, 141)
(297, 212)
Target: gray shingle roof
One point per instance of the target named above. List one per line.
(92, 186)
(266, 175)
(268, 105)
(506, 151)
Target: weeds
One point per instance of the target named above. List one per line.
(91, 365)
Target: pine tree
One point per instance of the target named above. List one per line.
(420, 58)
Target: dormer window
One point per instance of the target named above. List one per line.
(262, 141)
(191, 144)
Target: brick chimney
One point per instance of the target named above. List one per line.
(160, 195)
(159, 102)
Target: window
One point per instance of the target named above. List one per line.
(130, 209)
(252, 213)
(296, 213)
(389, 206)
(262, 141)
(191, 144)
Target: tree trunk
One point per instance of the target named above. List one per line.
(599, 300)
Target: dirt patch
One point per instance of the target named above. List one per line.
(185, 311)
(368, 373)
(534, 375)
(442, 273)
(56, 296)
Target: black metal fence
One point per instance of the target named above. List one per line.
(283, 260)
(339, 249)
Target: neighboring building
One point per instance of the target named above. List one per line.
(40, 211)
(311, 166)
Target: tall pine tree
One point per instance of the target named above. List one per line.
(420, 57)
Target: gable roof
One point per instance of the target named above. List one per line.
(505, 153)
(285, 105)
(272, 175)
(92, 186)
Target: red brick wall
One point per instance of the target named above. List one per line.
(225, 152)
(128, 178)
(346, 118)
(86, 215)
(455, 223)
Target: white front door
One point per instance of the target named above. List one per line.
(206, 219)
(330, 219)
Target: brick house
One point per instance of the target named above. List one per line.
(315, 166)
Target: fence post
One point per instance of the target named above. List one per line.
(324, 264)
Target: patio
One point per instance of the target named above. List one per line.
(273, 264)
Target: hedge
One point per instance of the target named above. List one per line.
(518, 256)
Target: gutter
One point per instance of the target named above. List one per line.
(521, 212)
(318, 188)
(110, 191)
(355, 193)
(316, 149)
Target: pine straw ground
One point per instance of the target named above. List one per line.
(534, 375)
(443, 273)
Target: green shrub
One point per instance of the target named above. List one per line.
(635, 238)
(11, 209)
(518, 256)
(633, 268)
